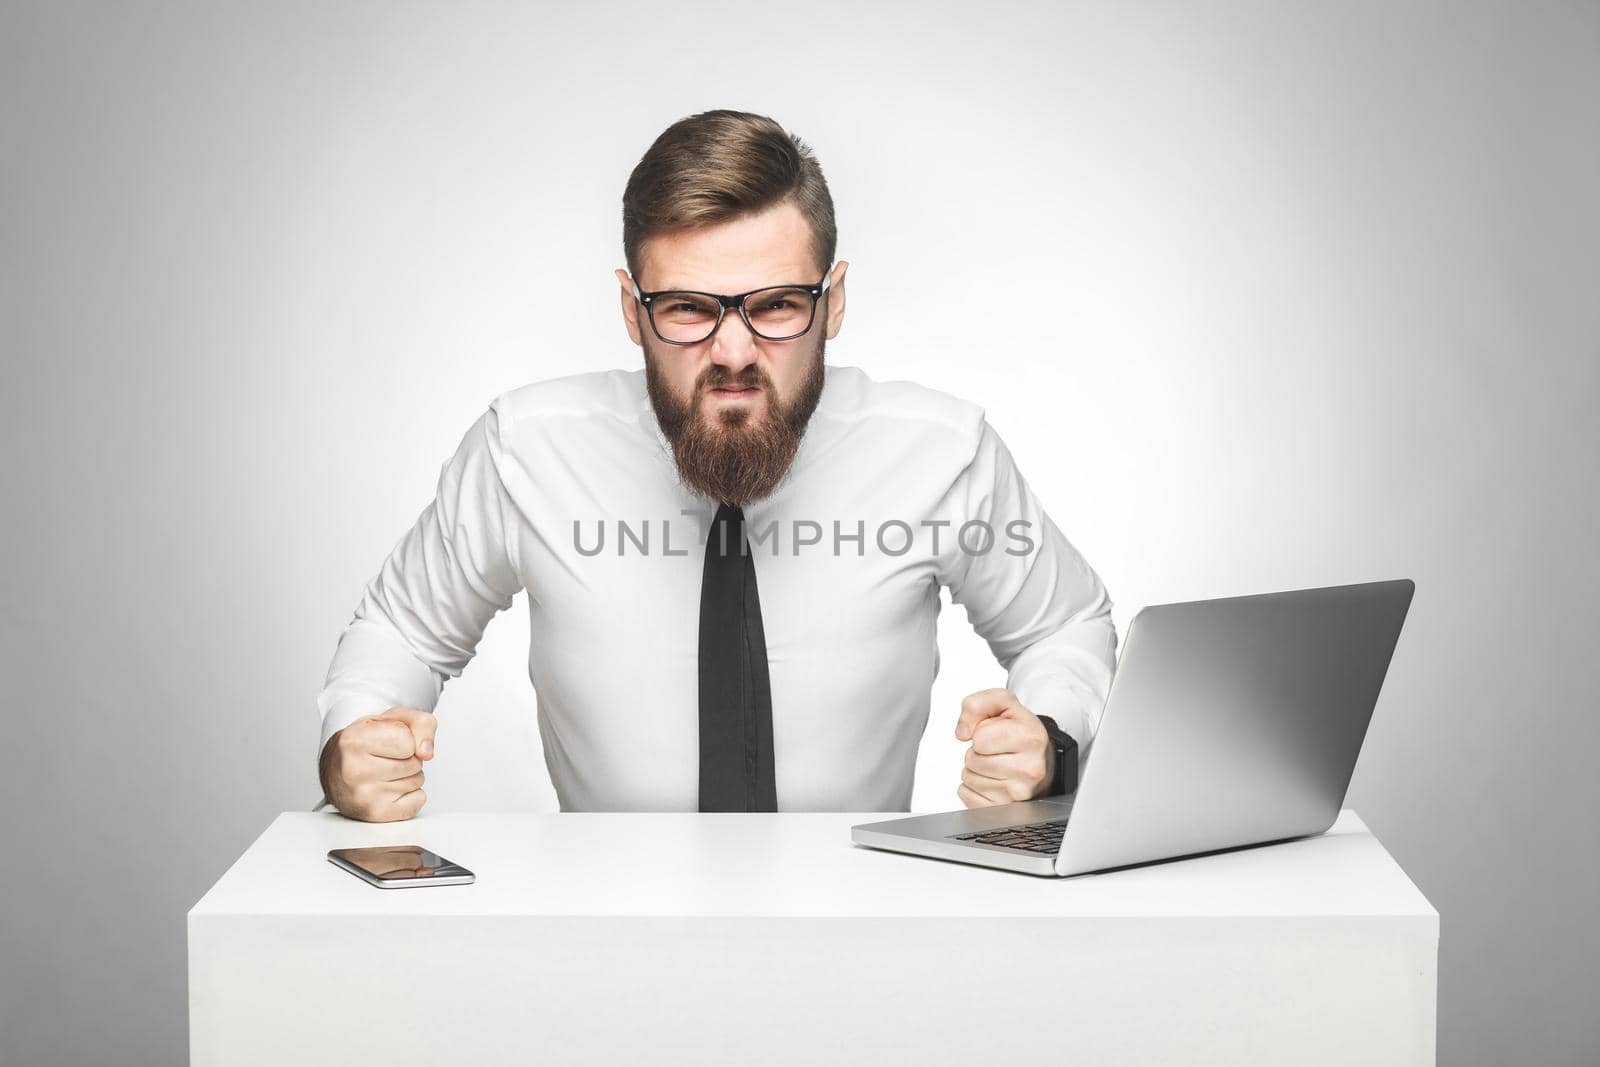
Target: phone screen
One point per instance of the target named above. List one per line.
(400, 864)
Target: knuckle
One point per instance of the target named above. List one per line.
(392, 736)
(360, 737)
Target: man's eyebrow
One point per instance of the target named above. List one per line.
(684, 287)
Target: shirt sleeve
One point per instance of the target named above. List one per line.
(420, 619)
(1042, 609)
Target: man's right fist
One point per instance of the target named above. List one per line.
(372, 769)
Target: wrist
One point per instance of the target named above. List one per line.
(1050, 776)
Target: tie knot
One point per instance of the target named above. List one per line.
(727, 531)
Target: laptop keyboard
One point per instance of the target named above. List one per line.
(1044, 837)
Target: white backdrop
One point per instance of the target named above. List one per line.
(1260, 296)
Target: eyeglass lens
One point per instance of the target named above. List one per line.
(775, 314)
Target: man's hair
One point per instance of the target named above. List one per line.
(720, 165)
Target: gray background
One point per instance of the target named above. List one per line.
(1260, 296)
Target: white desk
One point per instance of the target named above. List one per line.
(741, 939)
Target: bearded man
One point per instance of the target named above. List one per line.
(733, 555)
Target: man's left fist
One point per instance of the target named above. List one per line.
(1011, 757)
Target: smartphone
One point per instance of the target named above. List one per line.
(400, 866)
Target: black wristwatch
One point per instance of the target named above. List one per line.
(1066, 779)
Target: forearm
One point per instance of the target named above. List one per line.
(372, 671)
(1067, 674)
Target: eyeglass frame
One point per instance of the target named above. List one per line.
(735, 301)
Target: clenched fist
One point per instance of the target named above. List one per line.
(372, 769)
(1011, 757)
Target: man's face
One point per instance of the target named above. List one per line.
(734, 406)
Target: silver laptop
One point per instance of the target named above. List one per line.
(1229, 722)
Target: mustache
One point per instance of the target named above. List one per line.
(719, 377)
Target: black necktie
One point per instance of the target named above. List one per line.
(736, 768)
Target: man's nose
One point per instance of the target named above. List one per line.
(734, 346)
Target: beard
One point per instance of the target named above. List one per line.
(734, 457)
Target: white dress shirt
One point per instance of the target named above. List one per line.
(552, 467)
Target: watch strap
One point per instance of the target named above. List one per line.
(1066, 746)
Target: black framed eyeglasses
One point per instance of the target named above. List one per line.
(773, 313)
